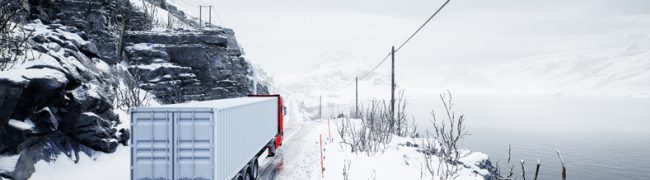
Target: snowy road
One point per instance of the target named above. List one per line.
(297, 158)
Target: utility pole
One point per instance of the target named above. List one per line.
(200, 16)
(169, 20)
(392, 84)
(254, 82)
(210, 19)
(320, 107)
(356, 97)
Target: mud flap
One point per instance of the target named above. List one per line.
(271, 148)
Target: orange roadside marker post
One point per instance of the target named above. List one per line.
(329, 130)
(321, 157)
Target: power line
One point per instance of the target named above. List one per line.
(425, 23)
(396, 50)
(375, 68)
(365, 74)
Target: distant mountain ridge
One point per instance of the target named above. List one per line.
(599, 72)
(616, 71)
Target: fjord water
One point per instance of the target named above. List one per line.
(599, 137)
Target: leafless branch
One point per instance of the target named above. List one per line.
(523, 169)
(537, 169)
(150, 13)
(511, 167)
(130, 95)
(346, 169)
(13, 35)
(510, 175)
(563, 166)
(372, 132)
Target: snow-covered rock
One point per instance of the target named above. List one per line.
(57, 102)
(95, 21)
(190, 65)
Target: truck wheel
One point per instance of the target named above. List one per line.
(238, 177)
(254, 169)
(248, 175)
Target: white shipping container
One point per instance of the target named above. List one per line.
(201, 140)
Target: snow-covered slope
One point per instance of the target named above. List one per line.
(617, 71)
(401, 160)
(600, 72)
(330, 73)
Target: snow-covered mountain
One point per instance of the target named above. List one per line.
(331, 73)
(601, 72)
(617, 71)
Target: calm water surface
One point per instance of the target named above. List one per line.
(599, 137)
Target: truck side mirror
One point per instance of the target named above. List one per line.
(284, 110)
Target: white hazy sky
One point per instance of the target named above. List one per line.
(286, 36)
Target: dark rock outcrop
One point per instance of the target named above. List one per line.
(94, 20)
(179, 66)
(58, 104)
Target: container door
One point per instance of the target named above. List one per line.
(194, 147)
(151, 149)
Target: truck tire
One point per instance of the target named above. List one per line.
(254, 169)
(238, 177)
(247, 174)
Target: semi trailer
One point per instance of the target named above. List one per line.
(209, 140)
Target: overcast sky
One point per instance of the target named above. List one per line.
(286, 36)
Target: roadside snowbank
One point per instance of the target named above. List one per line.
(402, 159)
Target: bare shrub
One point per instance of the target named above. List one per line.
(400, 124)
(346, 169)
(445, 147)
(444, 169)
(130, 95)
(13, 45)
(449, 131)
(373, 127)
(150, 14)
(173, 23)
(511, 167)
(369, 134)
(445, 144)
(510, 173)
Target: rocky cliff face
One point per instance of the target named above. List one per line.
(179, 66)
(59, 102)
(95, 19)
